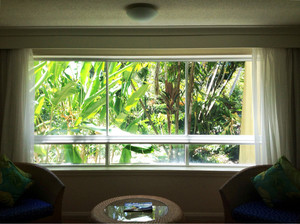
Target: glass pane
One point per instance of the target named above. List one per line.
(221, 154)
(70, 98)
(147, 154)
(69, 154)
(146, 98)
(215, 97)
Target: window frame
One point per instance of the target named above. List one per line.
(184, 139)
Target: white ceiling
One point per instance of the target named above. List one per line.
(177, 13)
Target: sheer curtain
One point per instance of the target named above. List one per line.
(276, 104)
(16, 103)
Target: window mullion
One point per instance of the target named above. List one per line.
(187, 155)
(107, 162)
(107, 155)
(186, 146)
(107, 98)
(186, 117)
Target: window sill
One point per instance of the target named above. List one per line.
(133, 168)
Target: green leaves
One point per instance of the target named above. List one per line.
(71, 154)
(71, 99)
(125, 156)
(66, 91)
(136, 96)
(139, 148)
(38, 108)
(85, 71)
(92, 108)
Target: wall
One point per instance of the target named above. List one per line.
(150, 38)
(195, 191)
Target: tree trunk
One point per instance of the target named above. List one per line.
(177, 99)
(156, 83)
(189, 96)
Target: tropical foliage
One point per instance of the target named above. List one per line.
(144, 98)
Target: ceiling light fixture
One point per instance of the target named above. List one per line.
(141, 11)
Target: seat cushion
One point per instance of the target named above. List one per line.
(26, 210)
(258, 211)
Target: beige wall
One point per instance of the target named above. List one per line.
(150, 38)
(195, 191)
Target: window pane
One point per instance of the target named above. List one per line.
(221, 154)
(147, 154)
(69, 98)
(215, 97)
(146, 98)
(69, 154)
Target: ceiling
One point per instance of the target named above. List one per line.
(176, 13)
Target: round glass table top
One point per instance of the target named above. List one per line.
(117, 213)
(112, 210)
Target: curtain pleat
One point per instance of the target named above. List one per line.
(16, 116)
(296, 104)
(276, 104)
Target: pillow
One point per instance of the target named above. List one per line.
(291, 172)
(13, 182)
(275, 188)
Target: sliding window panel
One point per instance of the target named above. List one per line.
(69, 154)
(146, 98)
(70, 98)
(214, 97)
(217, 154)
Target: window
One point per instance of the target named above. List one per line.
(113, 112)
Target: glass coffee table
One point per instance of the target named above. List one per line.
(112, 210)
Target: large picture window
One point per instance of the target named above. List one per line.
(139, 112)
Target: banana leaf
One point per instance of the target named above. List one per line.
(139, 148)
(71, 154)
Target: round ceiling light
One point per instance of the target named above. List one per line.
(141, 11)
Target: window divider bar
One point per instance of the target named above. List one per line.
(187, 156)
(107, 98)
(148, 139)
(107, 155)
(186, 117)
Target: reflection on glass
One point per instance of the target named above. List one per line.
(117, 213)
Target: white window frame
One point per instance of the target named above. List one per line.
(184, 139)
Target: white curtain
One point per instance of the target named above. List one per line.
(16, 103)
(276, 104)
